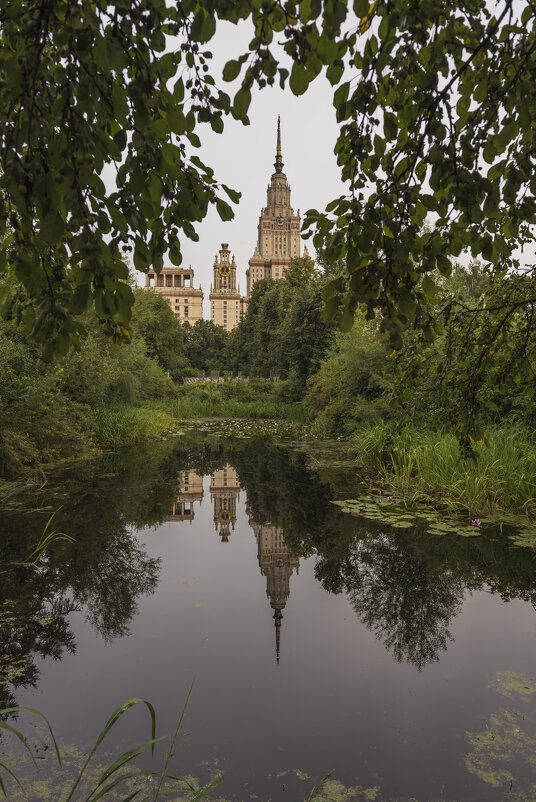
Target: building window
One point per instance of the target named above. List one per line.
(169, 280)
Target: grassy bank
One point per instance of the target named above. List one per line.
(121, 425)
(62, 429)
(258, 398)
(501, 478)
(115, 426)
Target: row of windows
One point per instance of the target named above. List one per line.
(170, 280)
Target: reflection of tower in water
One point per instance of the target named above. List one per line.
(224, 492)
(190, 490)
(277, 564)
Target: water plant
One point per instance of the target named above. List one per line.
(145, 785)
(501, 477)
(48, 536)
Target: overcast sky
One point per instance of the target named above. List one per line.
(243, 157)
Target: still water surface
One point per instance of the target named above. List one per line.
(315, 640)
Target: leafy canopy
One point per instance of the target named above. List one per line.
(435, 99)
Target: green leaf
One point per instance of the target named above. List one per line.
(225, 211)
(216, 123)
(231, 70)
(346, 320)
(330, 309)
(52, 227)
(81, 297)
(203, 26)
(233, 194)
(241, 103)
(299, 78)
(390, 126)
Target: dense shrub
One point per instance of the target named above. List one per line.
(347, 390)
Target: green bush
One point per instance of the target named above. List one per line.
(347, 391)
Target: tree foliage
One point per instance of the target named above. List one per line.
(436, 106)
(283, 331)
(154, 321)
(204, 345)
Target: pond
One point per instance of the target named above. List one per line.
(311, 640)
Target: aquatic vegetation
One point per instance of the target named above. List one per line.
(114, 426)
(143, 784)
(507, 745)
(48, 537)
(501, 477)
(392, 510)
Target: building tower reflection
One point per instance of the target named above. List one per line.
(224, 492)
(190, 491)
(277, 564)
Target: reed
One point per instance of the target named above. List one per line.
(144, 785)
(501, 477)
(122, 777)
(256, 399)
(113, 426)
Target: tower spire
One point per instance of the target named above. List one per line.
(278, 617)
(278, 157)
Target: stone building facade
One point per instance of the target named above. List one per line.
(176, 285)
(227, 307)
(278, 232)
(224, 493)
(190, 491)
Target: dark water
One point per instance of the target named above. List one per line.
(315, 640)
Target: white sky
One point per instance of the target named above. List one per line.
(243, 157)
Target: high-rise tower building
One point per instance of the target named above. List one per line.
(226, 305)
(278, 239)
(277, 564)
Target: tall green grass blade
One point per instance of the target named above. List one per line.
(115, 782)
(11, 774)
(319, 788)
(125, 758)
(18, 734)
(173, 741)
(41, 715)
(206, 789)
(104, 732)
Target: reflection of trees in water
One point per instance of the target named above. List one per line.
(407, 602)
(404, 603)
(30, 625)
(101, 504)
(405, 586)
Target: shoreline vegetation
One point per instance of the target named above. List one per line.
(404, 419)
(499, 478)
(425, 464)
